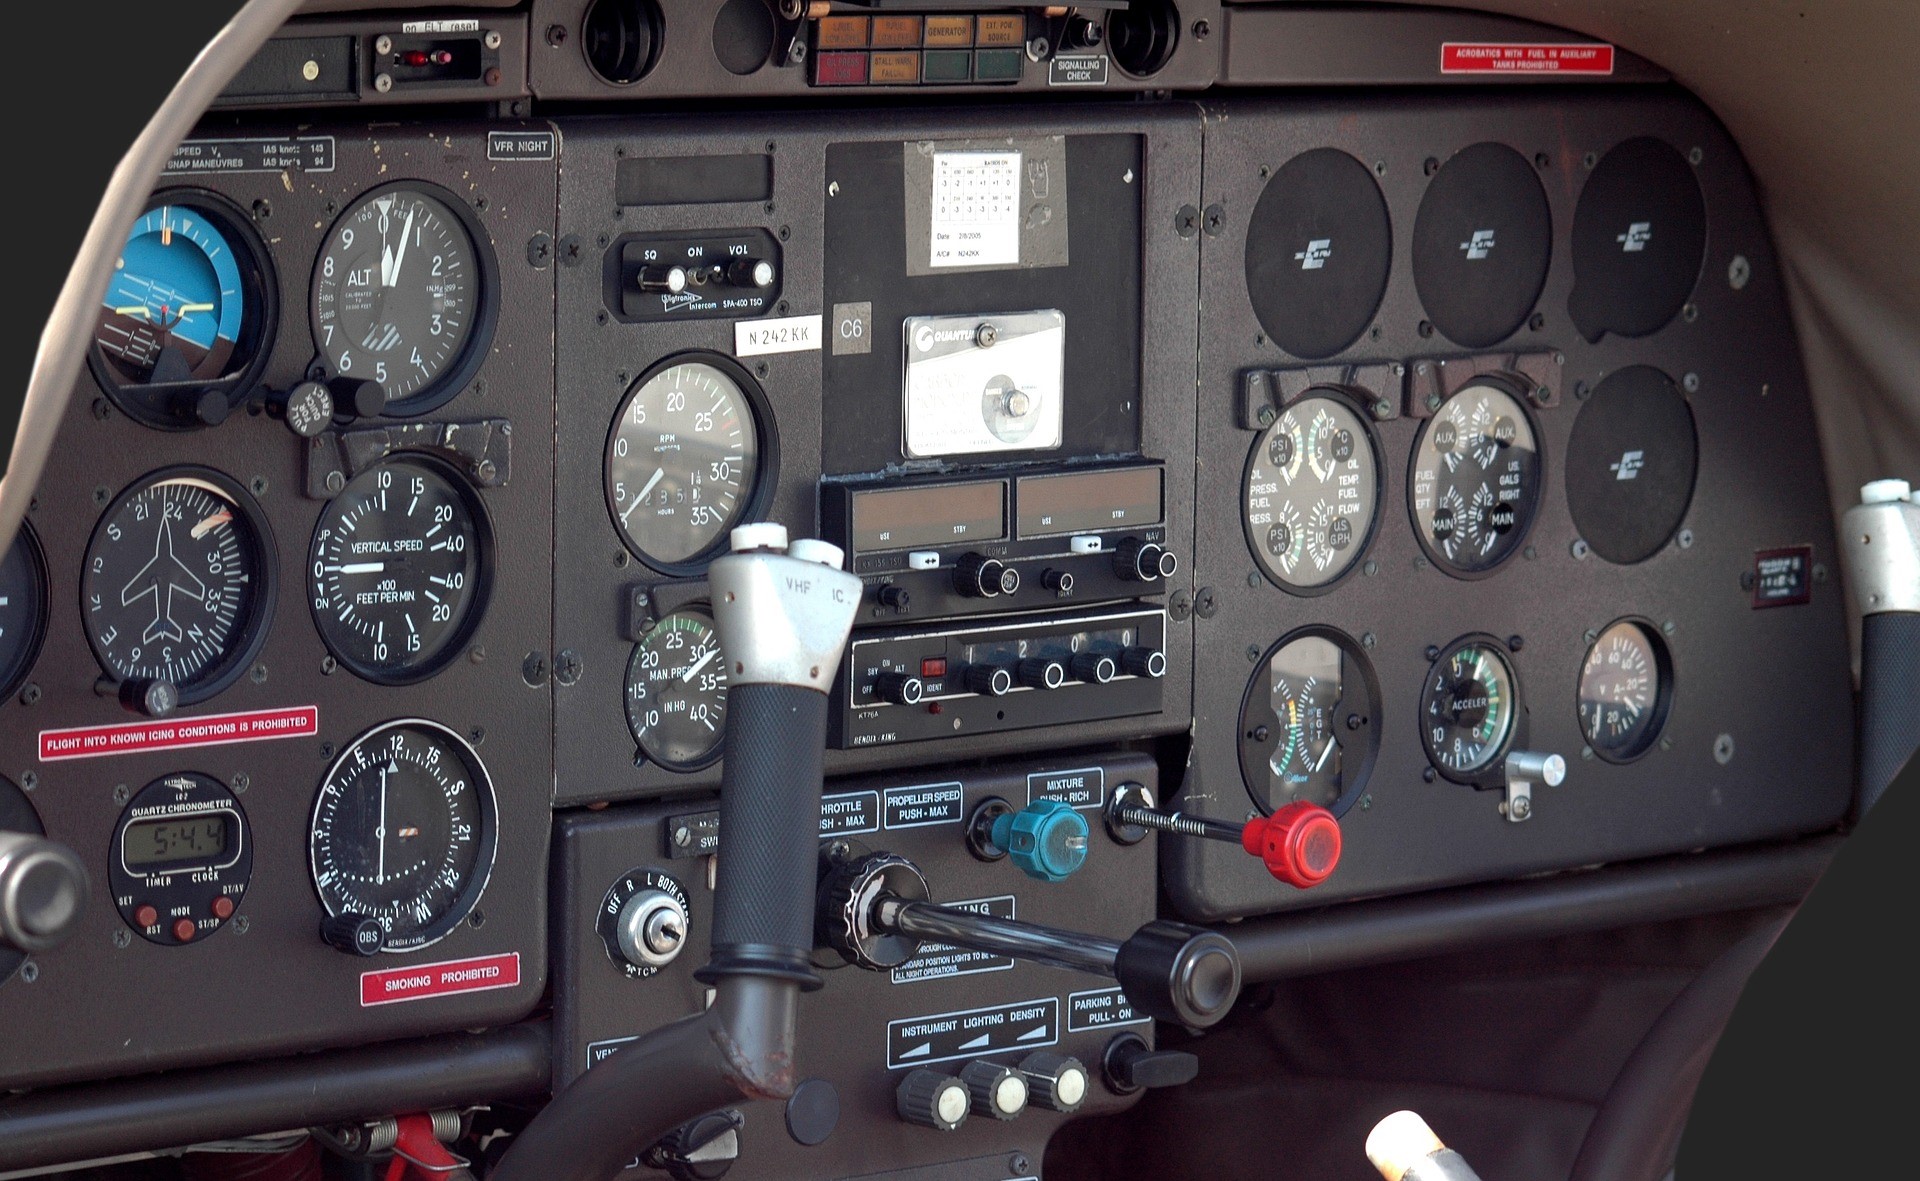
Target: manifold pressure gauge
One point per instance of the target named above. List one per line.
(1311, 494)
(403, 834)
(1468, 708)
(676, 692)
(399, 569)
(1476, 479)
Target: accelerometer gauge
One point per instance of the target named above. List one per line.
(399, 569)
(1626, 689)
(677, 692)
(181, 859)
(1476, 479)
(683, 459)
(178, 337)
(23, 608)
(1467, 708)
(403, 294)
(1308, 728)
(1311, 494)
(178, 583)
(403, 832)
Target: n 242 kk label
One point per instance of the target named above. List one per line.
(789, 334)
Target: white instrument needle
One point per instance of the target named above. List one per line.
(658, 473)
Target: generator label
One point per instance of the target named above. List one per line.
(1783, 577)
(849, 813)
(938, 961)
(1077, 70)
(1084, 788)
(789, 334)
(917, 807)
(970, 1033)
(132, 738)
(1100, 1009)
(522, 145)
(1477, 57)
(390, 986)
(307, 153)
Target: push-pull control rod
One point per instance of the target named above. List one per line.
(1299, 844)
(783, 613)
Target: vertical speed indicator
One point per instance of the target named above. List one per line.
(684, 460)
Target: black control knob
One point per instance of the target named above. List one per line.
(354, 933)
(1144, 662)
(307, 408)
(43, 892)
(1095, 668)
(662, 279)
(1173, 972)
(361, 399)
(996, 1090)
(933, 1100)
(1060, 582)
(152, 697)
(1056, 1082)
(1144, 561)
(899, 688)
(1042, 673)
(979, 577)
(749, 272)
(703, 1150)
(988, 680)
(202, 407)
(894, 597)
(1129, 1065)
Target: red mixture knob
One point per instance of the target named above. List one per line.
(1299, 844)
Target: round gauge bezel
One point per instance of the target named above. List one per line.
(1257, 684)
(143, 401)
(481, 782)
(1490, 772)
(1350, 403)
(17, 814)
(188, 885)
(477, 604)
(1508, 387)
(766, 469)
(702, 610)
(1663, 690)
(36, 555)
(486, 313)
(253, 631)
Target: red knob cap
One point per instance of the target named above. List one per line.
(1299, 844)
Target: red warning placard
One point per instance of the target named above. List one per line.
(127, 738)
(392, 985)
(1479, 57)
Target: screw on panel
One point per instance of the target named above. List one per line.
(1421, 563)
(383, 82)
(1430, 165)
(533, 670)
(101, 410)
(477, 735)
(241, 925)
(1589, 160)
(1428, 774)
(1586, 753)
(1667, 627)
(1253, 579)
(1590, 635)
(1530, 553)
(785, 233)
(1580, 391)
(1695, 156)
(29, 780)
(1201, 29)
(1580, 550)
(120, 793)
(1723, 749)
(1536, 322)
(567, 667)
(336, 480)
(262, 209)
(476, 655)
(1179, 606)
(1205, 602)
(29, 693)
(1746, 580)
(539, 251)
(326, 750)
(556, 35)
(1264, 416)
(259, 674)
(1018, 1163)
(1432, 653)
(100, 494)
(1186, 222)
(492, 40)
(1367, 641)
(1433, 400)
(1819, 573)
(1685, 539)
(122, 938)
(1739, 271)
(29, 972)
(1515, 643)
(1379, 167)
(258, 485)
(1383, 409)
(1425, 329)
(1690, 311)
(1691, 383)
(1542, 160)
(1370, 568)
(241, 782)
(1215, 220)
(477, 919)
(1253, 652)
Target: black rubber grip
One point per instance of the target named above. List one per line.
(769, 833)
(1889, 699)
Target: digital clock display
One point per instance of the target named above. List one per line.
(176, 840)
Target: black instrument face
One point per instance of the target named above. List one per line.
(1481, 244)
(1468, 707)
(1319, 247)
(1631, 464)
(181, 860)
(1476, 479)
(1626, 691)
(404, 832)
(676, 692)
(178, 582)
(1312, 493)
(188, 310)
(1308, 728)
(402, 295)
(683, 460)
(1639, 235)
(399, 570)
(23, 608)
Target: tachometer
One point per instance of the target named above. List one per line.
(1626, 689)
(402, 294)
(1468, 707)
(677, 692)
(683, 459)
(1311, 494)
(1476, 479)
(1307, 722)
(403, 832)
(23, 608)
(399, 568)
(178, 584)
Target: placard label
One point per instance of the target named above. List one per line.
(130, 738)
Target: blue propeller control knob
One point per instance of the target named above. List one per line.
(1047, 839)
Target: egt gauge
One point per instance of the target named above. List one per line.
(1309, 727)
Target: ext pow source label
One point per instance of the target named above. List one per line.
(390, 986)
(128, 738)
(938, 961)
(1474, 57)
(970, 1033)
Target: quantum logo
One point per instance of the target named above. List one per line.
(1629, 465)
(1315, 255)
(923, 337)
(1479, 246)
(1636, 238)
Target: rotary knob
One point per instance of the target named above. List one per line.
(43, 892)
(899, 688)
(750, 272)
(1056, 1082)
(1144, 561)
(996, 1090)
(979, 577)
(1144, 662)
(843, 919)
(662, 279)
(1095, 668)
(988, 680)
(354, 934)
(652, 929)
(1042, 673)
(934, 1100)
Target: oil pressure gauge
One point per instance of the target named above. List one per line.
(1311, 494)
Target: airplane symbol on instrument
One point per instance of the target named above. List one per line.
(165, 567)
